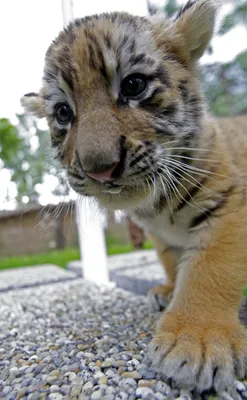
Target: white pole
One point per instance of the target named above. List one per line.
(90, 221)
(92, 242)
(67, 10)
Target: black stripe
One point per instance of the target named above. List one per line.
(137, 159)
(207, 213)
(79, 161)
(48, 77)
(195, 104)
(47, 97)
(187, 6)
(122, 153)
(32, 94)
(183, 89)
(124, 40)
(140, 170)
(137, 59)
(203, 216)
(149, 61)
(163, 76)
(174, 57)
(60, 132)
(160, 204)
(132, 46)
(75, 175)
(163, 131)
(60, 155)
(103, 69)
(67, 79)
(137, 149)
(150, 102)
(56, 141)
(107, 39)
(92, 59)
(169, 110)
(190, 194)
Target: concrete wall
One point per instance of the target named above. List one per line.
(37, 230)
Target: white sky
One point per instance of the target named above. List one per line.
(27, 28)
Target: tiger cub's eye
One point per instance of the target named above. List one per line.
(133, 85)
(63, 113)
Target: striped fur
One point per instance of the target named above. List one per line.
(180, 173)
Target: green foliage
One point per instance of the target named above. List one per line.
(10, 142)
(170, 7)
(224, 83)
(245, 292)
(237, 17)
(25, 150)
(225, 86)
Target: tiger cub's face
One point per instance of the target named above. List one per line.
(121, 97)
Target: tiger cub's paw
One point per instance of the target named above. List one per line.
(160, 296)
(199, 356)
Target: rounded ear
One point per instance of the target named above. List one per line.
(34, 104)
(195, 22)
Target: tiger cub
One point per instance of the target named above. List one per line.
(128, 119)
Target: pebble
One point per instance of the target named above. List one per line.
(160, 396)
(129, 381)
(120, 370)
(55, 396)
(162, 387)
(55, 373)
(75, 391)
(109, 362)
(142, 392)
(147, 373)
(97, 395)
(54, 388)
(146, 383)
(88, 388)
(120, 363)
(103, 380)
(135, 375)
(14, 371)
(184, 396)
(121, 396)
(239, 386)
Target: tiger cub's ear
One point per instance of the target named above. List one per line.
(33, 104)
(195, 22)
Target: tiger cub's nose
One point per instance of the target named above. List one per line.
(104, 174)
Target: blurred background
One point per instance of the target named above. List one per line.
(38, 211)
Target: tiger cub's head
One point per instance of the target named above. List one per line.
(121, 95)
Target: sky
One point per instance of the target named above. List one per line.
(28, 27)
(26, 30)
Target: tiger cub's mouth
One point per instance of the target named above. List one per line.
(112, 188)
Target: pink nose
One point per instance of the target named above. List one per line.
(104, 176)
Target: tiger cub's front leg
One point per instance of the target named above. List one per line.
(200, 342)
(160, 296)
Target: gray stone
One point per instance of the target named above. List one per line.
(143, 392)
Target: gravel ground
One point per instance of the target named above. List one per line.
(74, 340)
(30, 276)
